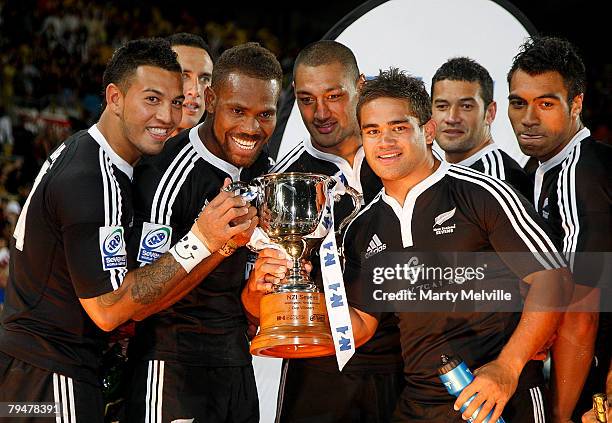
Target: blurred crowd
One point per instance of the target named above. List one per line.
(53, 54)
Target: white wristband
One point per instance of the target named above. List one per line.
(189, 251)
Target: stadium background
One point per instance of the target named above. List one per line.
(53, 52)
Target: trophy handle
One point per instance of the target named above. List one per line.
(246, 191)
(356, 197)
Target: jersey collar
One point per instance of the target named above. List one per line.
(206, 155)
(478, 155)
(554, 161)
(352, 174)
(121, 164)
(404, 213)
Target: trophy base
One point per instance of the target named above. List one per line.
(293, 344)
(293, 325)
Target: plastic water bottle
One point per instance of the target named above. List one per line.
(455, 375)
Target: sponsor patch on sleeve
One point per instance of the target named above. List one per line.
(112, 247)
(154, 241)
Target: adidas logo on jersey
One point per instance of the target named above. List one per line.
(374, 247)
(440, 219)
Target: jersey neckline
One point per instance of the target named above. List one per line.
(121, 164)
(206, 155)
(554, 161)
(352, 173)
(404, 213)
(478, 155)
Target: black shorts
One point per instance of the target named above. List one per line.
(527, 405)
(308, 394)
(22, 382)
(163, 391)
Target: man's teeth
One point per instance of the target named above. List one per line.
(158, 131)
(192, 106)
(388, 156)
(244, 144)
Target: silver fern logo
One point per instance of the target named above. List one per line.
(442, 218)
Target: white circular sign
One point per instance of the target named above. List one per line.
(419, 36)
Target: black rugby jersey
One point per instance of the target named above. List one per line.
(573, 193)
(69, 244)
(382, 352)
(456, 209)
(304, 157)
(495, 162)
(208, 326)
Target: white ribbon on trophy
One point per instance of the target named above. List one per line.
(333, 286)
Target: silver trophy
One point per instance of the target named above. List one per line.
(294, 212)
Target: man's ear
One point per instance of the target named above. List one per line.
(361, 81)
(210, 99)
(576, 106)
(490, 113)
(114, 98)
(429, 129)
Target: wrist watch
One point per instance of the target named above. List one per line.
(228, 248)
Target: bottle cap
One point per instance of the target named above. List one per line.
(448, 364)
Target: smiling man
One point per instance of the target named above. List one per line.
(573, 193)
(464, 110)
(326, 85)
(196, 60)
(69, 278)
(192, 360)
(482, 214)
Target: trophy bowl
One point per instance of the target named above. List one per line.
(293, 211)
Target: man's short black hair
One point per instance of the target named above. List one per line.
(326, 52)
(248, 59)
(143, 52)
(395, 83)
(191, 40)
(550, 54)
(466, 69)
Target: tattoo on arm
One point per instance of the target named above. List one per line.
(111, 298)
(150, 280)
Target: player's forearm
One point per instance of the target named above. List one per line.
(572, 354)
(609, 381)
(251, 301)
(141, 288)
(147, 290)
(183, 287)
(573, 349)
(531, 334)
(549, 291)
(364, 326)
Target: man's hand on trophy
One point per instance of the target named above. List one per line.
(214, 224)
(243, 238)
(270, 269)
